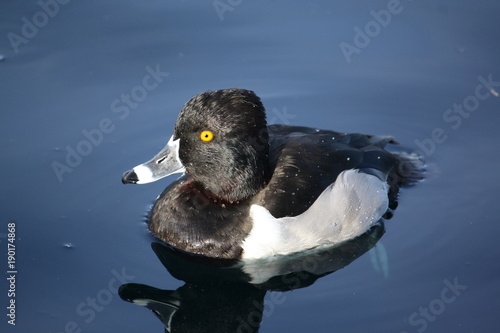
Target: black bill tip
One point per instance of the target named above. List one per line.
(129, 177)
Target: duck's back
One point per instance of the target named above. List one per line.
(306, 161)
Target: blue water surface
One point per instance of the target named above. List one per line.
(91, 88)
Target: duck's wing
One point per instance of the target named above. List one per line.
(307, 160)
(281, 133)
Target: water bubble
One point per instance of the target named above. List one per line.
(2, 57)
(68, 245)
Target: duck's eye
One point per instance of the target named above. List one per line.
(206, 136)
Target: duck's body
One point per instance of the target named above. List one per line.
(253, 191)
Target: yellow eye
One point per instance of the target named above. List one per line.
(206, 136)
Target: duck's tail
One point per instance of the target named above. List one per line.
(410, 168)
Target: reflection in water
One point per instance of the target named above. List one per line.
(228, 307)
(379, 259)
(228, 295)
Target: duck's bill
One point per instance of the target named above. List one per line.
(165, 163)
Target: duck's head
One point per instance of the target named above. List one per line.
(221, 140)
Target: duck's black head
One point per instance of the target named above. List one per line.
(223, 142)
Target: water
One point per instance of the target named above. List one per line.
(94, 88)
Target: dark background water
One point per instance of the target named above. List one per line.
(65, 72)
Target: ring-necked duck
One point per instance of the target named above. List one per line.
(252, 191)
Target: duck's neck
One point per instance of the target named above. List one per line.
(245, 177)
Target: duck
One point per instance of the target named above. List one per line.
(250, 190)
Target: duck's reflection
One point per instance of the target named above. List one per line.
(227, 295)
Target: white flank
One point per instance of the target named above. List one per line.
(345, 209)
